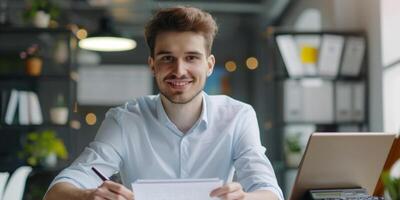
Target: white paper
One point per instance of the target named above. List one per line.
(175, 189)
(113, 85)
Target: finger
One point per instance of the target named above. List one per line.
(119, 189)
(226, 189)
(237, 195)
(104, 193)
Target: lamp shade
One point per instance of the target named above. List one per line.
(107, 39)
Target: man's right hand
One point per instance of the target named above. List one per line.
(108, 190)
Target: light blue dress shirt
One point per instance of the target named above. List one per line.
(140, 141)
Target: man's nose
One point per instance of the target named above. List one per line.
(180, 68)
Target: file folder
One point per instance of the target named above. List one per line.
(344, 112)
(330, 55)
(290, 54)
(293, 101)
(353, 56)
(308, 100)
(358, 102)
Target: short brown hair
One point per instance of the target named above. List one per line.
(181, 19)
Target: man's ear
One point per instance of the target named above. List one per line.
(150, 61)
(211, 63)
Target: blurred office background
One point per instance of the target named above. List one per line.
(281, 78)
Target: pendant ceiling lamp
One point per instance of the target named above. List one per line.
(107, 39)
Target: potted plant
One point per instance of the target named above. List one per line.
(33, 62)
(391, 181)
(40, 12)
(293, 150)
(59, 113)
(43, 149)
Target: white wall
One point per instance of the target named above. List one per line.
(365, 15)
(390, 39)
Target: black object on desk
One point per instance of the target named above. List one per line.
(341, 194)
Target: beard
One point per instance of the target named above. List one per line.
(174, 101)
(179, 96)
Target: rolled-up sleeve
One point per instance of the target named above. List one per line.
(253, 169)
(104, 153)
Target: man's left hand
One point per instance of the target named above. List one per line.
(230, 191)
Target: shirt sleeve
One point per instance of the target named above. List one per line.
(104, 153)
(253, 169)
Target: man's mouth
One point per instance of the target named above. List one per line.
(178, 84)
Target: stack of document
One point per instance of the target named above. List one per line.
(175, 189)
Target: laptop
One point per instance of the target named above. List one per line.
(342, 160)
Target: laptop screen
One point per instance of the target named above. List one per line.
(342, 160)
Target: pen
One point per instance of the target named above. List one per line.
(104, 178)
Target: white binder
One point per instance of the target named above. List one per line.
(308, 100)
(330, 55)
(344, 112)
(318, 101)
(353, 56)
(23, 108)
(293, 101)
(358, 102)
(309, 69)
(290, 54)
(35, 113)
(11, 107)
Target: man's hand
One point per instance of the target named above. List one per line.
(111, 191)
(230, 191)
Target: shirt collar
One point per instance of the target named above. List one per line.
(163, 117)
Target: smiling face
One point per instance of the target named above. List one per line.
(180, 65)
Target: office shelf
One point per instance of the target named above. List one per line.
(57, 50)
(280, 76)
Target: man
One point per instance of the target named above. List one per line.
(180, 133)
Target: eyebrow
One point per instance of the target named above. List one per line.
(162, 52)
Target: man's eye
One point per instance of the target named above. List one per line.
(166, 58)
(190, 58)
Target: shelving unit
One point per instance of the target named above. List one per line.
(280, 76)
(57, 49)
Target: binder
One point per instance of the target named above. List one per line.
(35, 112)
(293, 101)
(330, 55)
(308, 100)
(23, 108)
(318, 105)
(290, 54)
(353, 56)
(308, 46)
(358, 102)
(11, 107)
(344, 112)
